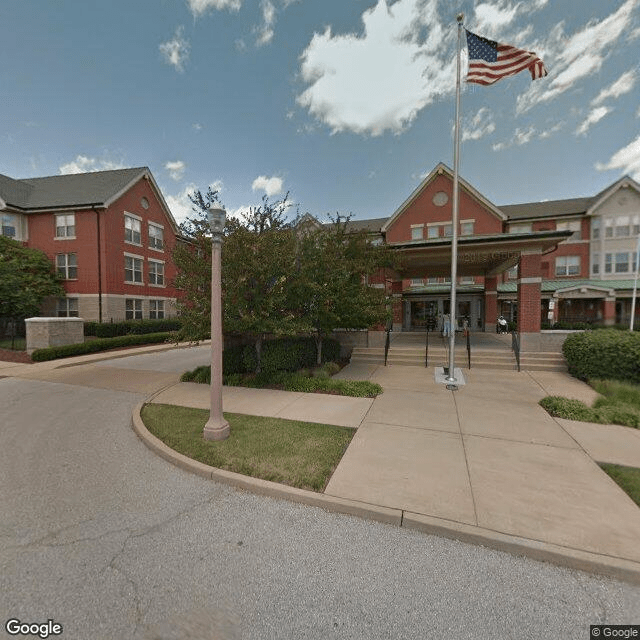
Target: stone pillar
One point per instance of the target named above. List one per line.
(609, 311)
(529, 281)
(53, 332)
(490, 302)
(396, 304)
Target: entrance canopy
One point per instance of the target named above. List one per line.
(481, 255)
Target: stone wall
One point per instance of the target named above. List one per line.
(53, 332)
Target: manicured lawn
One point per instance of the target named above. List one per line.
(19, 344)
(619, 404)
(628, 478)
(298, 454)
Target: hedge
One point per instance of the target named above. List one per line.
(604, 354)
(130, 327)
(99, 344)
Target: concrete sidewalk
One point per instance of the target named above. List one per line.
(484, 463)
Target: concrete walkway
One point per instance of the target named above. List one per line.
(483, 464)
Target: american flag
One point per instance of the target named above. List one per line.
(490, 61)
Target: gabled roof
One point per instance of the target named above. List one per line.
(624, 182)
(551, 208)
(97, 188)
(441, 169)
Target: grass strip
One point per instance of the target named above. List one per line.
(298, 454)
(627, 478)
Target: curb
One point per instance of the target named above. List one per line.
(611, 567)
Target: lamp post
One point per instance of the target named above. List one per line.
(217, 428)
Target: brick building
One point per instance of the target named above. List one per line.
(110, 235)
(535, 263)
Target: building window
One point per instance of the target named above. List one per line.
(132, 229)
(66, 225)
(608, 262)
(568, 266)
(132, 269)
(156, 236)
(595, 264)
(433, 231)
(622, 227)
(67, 308)
(595, 228)
(608, 228)
(67, 266)
(466, 228)
(156, 273)
(571, 225)
(636, 225)
(521, 227)
(156, 309)
(466, 280)
(416, 233)
(512, 274)
(433, 280)
(448, 230)
(9, 225)
(133, 309)
(416, 282)
(622, 262)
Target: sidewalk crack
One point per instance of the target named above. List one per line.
(466, 460)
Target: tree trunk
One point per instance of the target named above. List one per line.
(319, 348)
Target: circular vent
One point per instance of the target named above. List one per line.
(440, 199)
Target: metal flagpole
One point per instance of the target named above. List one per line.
(635, 286)
(451, 379)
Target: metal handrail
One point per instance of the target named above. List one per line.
(426, 352)
(386, 347)
(467, 332)
(515, 345)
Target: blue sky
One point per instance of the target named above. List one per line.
(346, 104)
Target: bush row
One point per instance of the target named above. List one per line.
(578, 326)
(99, 344)
(604, 354)
(279, 354)
(130, 327)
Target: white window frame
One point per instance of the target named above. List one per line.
(67, 308)
(153, 273)
(67, 265)
(608, 263)
(623, 227)
(417, 231)
(571, 225)
(595, 228)
(595, 264)
(621, 258)
(464, 223)
(68, 226)
(9, 221)
(156, 309)
(135, 313)
(521, 227)
(135, 259)
(416, 282)
(567, 263)
(154, 243)
(130, 222)
(433, 231)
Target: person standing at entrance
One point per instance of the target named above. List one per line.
(446, 325)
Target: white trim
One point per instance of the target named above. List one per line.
(529, 280)
(624, 183)
(133, 215)
(133, 255)
(156, 260)
(155, 224)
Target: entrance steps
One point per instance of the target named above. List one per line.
(410, 351)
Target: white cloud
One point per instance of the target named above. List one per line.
(380, 79)
(491, 17)
(627, 159)
(176, 51)
(595, 115)
(265, 31)
(180, 205)
(520, 137)
(197, 126)
(271, 186)
(84, 164)
(622, 85)
(481, 125)
(176, 169)
(200, 7)
(573, 58)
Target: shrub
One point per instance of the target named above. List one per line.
(93, 346)
(604, 354)
(130, 327)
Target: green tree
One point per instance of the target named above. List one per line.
(27, 277)
(334, 265)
